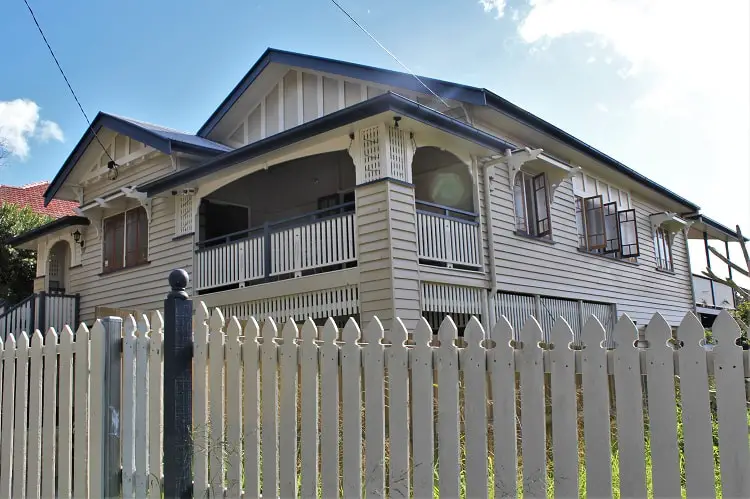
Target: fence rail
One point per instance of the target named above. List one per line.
(316, 240)
(448, 236)
(434, 417)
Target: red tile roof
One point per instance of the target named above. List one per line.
(33, 195)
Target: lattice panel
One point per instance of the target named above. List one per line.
(183, 214)
(371, 167)
(397, 152)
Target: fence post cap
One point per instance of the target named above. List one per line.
(178, 281)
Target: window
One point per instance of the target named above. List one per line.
(125, 240)
(604, 229)
(531, 201)
(333, 201)
(663, 249)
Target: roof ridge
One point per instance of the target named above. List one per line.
(149, 123)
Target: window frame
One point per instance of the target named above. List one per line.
(663, 246)
(613, 243)
(110, 243)
(531, 222)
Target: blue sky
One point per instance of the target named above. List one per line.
(661, 85)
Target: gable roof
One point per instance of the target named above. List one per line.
(32, 195)
(160, 138)
(445, 89)
(48, 228)
(388, 101)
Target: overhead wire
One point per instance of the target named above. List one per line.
(67, 82)
(352, 19)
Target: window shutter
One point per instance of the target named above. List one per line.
(611, 230)
(628, 234)
(114, 232)
(541, 204)
(520, 204)
(595, 233)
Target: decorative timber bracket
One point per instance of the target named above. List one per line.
(671, 223)
(557, 171)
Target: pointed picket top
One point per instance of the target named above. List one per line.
(351, 333)
(82, 331)
(593, 334)
(625, 332)
(447, 333)
(289, 334)
(330, 331)
(143, 325)
(658, 331)
(725, 331)
(268, 331)
(423, 332)
(216, 322)
(398, 334)
(2, 346)
(201, 314)
(50, 341)
(691, 332)
(373, 332)
(66, 338)
(562, 335)
(309, 333)
(157, 322)
(97, 329)
(531, 334)
(234, 330)
(503, 332)
(10, 346)
(23, 341)
(474, 334)
(252, 330)
(130, 326)
(36, 339)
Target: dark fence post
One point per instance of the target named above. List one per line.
(42, 312)
(267, 251)
(178, 388)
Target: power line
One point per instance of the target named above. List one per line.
(387, 51)
(52, 52)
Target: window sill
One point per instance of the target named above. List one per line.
(609, 259)
(666, 271)
(116, 271)
(544, 240)
(183, 236)
(76, 266)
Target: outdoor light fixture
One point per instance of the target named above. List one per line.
(77, 238)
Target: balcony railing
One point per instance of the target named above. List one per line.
(40, 311)
(448, 237)
(290, 248)
(709, 293)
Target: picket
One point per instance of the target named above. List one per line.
(250, 355)
(19, 437)
(127, 410)
(564, 411)
(629, 401)
(397, 363)
(288, 411)
(81, 432)
(49, 419)
(696, 415)
(731, 409)
(269, 414)
(8, 415)
(351, 407)
(374, 376)
(216, 444)
(65, 412)
(533, 427)
(141, 408)
(200, 401)
(448, 412)
(155, 411)
(422, 434)
(662, 411)
(309, 414)
(33, 483)
(473, 360)
(329, 410)
(596, 411)
(502, 368)
(234, 407)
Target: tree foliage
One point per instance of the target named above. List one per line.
(18, 265)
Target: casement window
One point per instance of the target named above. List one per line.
(531, 202)
(663, 249)
(125, 240)
(604, 229)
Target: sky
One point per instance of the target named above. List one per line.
(661, 85)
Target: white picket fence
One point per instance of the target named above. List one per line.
(285, 410)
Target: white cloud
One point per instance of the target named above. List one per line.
(19, 123)
(591, 60)
(497, 5)
(600, 106)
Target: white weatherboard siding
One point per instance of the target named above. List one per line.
(560, 269)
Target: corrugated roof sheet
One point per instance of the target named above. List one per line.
(175, 135)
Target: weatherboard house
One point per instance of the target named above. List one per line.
(321, 188)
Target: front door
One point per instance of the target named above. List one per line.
(57, 263)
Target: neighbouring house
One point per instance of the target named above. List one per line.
(32, 195)
(326, 188)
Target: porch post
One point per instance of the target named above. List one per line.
(389, 285)
(708, 264)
